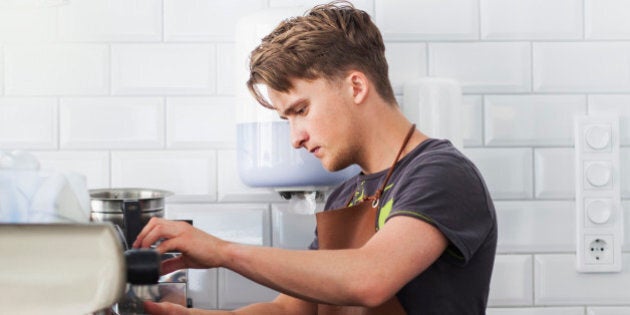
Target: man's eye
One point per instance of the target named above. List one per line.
(301, 111)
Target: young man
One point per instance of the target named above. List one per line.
(433, 253)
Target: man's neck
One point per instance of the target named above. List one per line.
(384, 139)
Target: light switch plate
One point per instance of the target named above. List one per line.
(598, 199)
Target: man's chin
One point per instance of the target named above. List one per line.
(329, 167)
(333, 167)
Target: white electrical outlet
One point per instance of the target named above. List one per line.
(598, 250)
(598, 198)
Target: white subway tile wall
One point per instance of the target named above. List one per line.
(225, 69)
(472, 122)
(18, 25)
(205, 21)
(554, 173)
(56, 69)
(606, 19)
(200, 122)
(608, 310)
(512, 281)
(531, 120)
(1, 67)
(483, 67)
(626, 217)
(112, 123)
(535, 226)
(159, 69)
(581, 67)
(190, 175)
(428, 20)
(625, 168)
(555, 284)
(28, 123)
(142, 93)
(415, 55)
(508, 172)
(533, 19)
(365, 5)
(111, 21)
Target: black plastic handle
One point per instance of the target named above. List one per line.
(143, 266)
(132, 218)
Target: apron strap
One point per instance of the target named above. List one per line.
(377, 196)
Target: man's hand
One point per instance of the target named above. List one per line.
(165, 309)
(176, 309)
(199, 249)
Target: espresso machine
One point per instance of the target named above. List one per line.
(89, 267)
(130, 209)
(66, 250)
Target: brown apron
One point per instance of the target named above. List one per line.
(352, 227)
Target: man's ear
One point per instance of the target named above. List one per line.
(359, 84)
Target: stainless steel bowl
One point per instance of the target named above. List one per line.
(129, 208)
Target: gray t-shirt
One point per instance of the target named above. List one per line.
(438, 184)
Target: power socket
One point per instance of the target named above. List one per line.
(598, 250)
(599, 214)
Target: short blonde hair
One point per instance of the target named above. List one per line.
(326, 42)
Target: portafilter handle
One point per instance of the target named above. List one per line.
(132, 220)
(143, 266)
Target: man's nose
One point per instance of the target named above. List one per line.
(298, 136)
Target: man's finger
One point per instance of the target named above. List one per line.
(147, 228)
(163, 308)
(153, 308)
(162, 229)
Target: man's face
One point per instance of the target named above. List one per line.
(320, 118)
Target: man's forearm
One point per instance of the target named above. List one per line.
(196, 311)
(362, 276)
(315, 276)
(270, 308)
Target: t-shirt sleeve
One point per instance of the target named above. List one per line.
(447, 191)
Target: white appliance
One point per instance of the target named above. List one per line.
(54, 260)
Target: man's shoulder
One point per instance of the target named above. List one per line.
(434, 150)
(438, 161)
